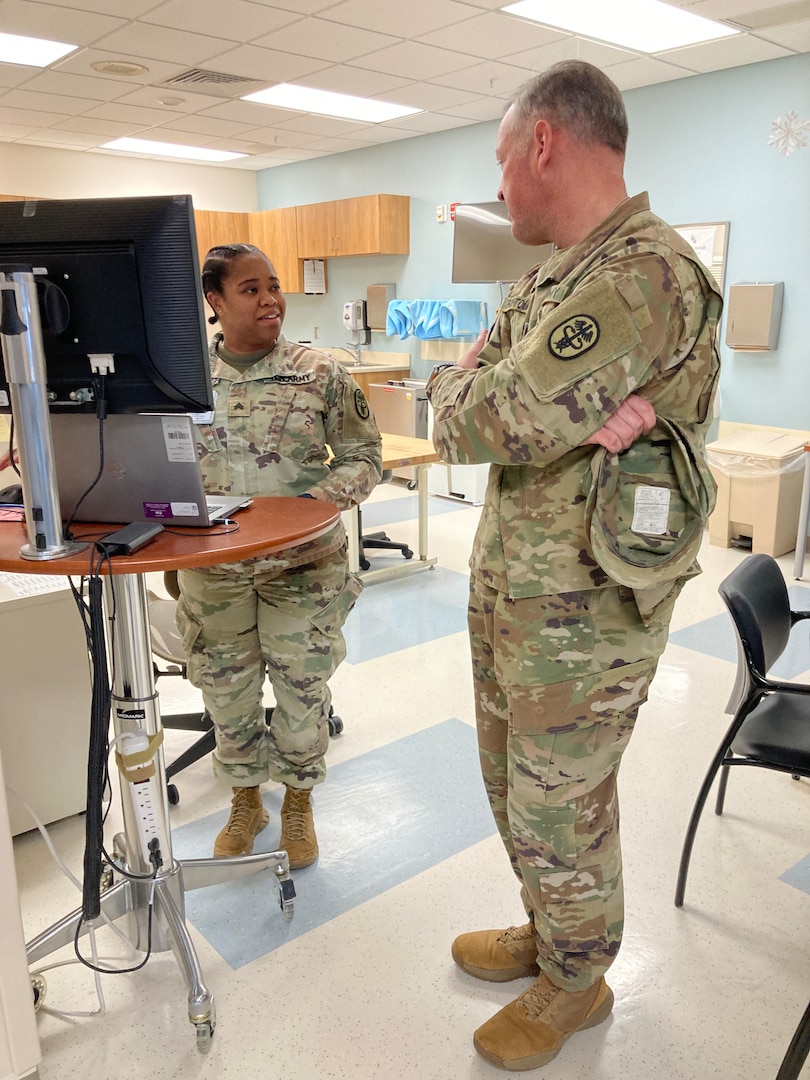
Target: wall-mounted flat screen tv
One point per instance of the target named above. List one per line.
(484, 249)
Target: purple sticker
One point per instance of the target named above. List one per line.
(157, 510)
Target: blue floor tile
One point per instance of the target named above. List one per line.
(798, 875)
(382, 818)
(411, 610)
(716, 637)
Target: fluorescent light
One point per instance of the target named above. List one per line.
(31, 52)
(326, 103)
(166, 149)
(645, 25)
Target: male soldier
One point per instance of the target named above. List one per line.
(580, 552)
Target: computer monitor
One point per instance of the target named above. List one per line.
(484, 249)
(116, 276)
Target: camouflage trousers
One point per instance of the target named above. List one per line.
(559, 681)
(245, 620)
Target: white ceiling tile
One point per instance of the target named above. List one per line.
(303, 7)
(67, 25)
(425, 95)
(241, 21)
(319, 125)
(15, 74)
(17, 131)
(414, 61)
(52, 81)
(29, 116)
(162, 43)
(281, 137)
(492, 36)
(353, 80)
(727, 9)
(404, 20)
(571, 48)
(106, 129)
(266, 65)
(325, 40)
(127, 114)
(481, 110)
(73, 139)
(341, 146)
(728, 52)
(187, 101)
(25, 99)
(383, 133)
(491, 77)
(207, 123)
(249, 112)
(82, 64)
(168, 133)
(645, 71)
(426, 122)
(126, 9)
(795, 36)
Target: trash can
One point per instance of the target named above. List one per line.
(759, 486)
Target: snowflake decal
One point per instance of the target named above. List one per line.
(789, 133)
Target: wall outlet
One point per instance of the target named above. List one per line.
(441, 213)
(314, 333)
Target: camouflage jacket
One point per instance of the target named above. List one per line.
(630, 309)
(294, 422)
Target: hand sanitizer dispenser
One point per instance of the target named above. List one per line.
(354, 321)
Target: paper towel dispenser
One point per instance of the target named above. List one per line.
(753, 314)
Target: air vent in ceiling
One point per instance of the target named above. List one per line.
(220, 83)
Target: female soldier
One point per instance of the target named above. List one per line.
(288, 421)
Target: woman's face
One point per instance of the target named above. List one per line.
(251, 306)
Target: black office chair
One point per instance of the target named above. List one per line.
(378, 539)
(167, 645)
(771, 725)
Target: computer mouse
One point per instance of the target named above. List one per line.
(12, 495)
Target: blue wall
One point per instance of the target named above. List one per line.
(700, 147)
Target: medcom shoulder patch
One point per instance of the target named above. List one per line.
(574, 337)
(361, 405)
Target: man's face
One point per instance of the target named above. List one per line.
(516, 153)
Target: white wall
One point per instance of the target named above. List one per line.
(67, 174)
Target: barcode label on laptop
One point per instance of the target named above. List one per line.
(178, 439)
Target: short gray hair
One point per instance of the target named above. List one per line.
(579, 97)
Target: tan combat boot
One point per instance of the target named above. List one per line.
(532, 1030)
(297, 828)
(498, 955)
(248, 818)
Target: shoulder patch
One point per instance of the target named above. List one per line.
(574, 337)
(361, 404)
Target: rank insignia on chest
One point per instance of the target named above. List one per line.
(573, 337)
(361, 405)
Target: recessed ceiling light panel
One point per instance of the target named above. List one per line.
(326, 103)
(175, 150)
(644, 25)
(31, 52)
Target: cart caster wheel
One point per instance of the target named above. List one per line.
(38, 988)
(205, 1033)
(286, 897)
(364, 564)
(412, 485)
(173, 794)
(407, 554)
(335, 724)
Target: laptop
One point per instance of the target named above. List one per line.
(151, 471)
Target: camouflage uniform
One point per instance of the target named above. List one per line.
(566, 632)
(273, 428)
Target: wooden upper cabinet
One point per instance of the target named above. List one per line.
(367, 225)
(219, 227)
(274, 231)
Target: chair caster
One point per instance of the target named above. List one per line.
(407, 554)
(335, 724)
(412, 485)
(364, 563)
(173, 794)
